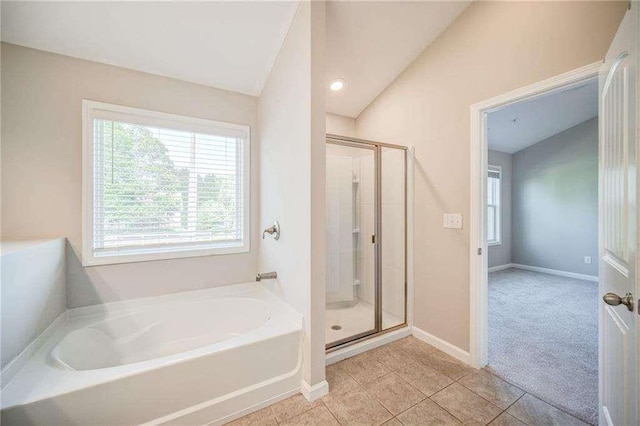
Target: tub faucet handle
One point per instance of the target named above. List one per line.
(273, 230)
(267, 276)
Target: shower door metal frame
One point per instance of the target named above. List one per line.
(377, 148)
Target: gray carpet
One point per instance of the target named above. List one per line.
(543, 338)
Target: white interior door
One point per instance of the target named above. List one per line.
(618, 228)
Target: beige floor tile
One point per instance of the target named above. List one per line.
(393, 422)
(363, 368)
(413, 346)
(320, 416)
(395, 394)
(357, 407)
(427, 412)
(425, 379)
(293, 406)
(468, 407)
(444, 364)
(531, 410)
(392, 356)
(506, 419)
(339, 380)
(492, 388)
(262, 417)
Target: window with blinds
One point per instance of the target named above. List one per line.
(160, 186)
(493, 205)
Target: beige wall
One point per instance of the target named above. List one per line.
(491, 48)
(292, 157)
(42, 165)
(340, 125)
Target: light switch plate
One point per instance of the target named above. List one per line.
(453, 220)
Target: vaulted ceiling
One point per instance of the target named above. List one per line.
(369, 43)
(232, 45)
(518, 126)
(229, 45)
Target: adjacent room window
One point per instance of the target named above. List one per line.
(494, 205)
(162, 186)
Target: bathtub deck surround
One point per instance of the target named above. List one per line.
(33, 297)
(100, 361)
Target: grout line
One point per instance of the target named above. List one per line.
(485, 399)
(504, 379)
(533, 395)
(514, 402)
(436, 402)
(473, 370)
(443, 389)
(378, 401)
(513, 415)
(404, 411)
(497, 415)
(391, 371)
(413, 405)
(450, 413)
(296, 415)
(331, 412)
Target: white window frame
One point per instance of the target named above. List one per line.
(98, 110)
(498, 211)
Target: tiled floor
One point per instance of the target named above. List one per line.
(408, 382)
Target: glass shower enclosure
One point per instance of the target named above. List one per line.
(366, 190)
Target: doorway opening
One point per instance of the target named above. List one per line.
(366, 192)
(542, 237)
(535, 236)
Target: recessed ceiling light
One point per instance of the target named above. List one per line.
(337, 85)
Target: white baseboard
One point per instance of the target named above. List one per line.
(556, 272)
(500, 267)
(544, 271)
(317, 391)
(444, 346)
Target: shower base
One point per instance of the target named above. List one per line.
(341, 323)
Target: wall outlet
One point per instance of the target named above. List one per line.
(452, 220)
(587, 260)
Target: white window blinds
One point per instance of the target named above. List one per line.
(166, 188)
(493, 205)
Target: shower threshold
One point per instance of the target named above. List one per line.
(354, 320)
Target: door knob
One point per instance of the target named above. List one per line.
(614, 300)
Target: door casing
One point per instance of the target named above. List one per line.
(478, 265)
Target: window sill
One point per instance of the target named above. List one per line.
(495, 243)
(90, 259)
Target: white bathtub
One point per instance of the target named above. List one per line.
(199, 357)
